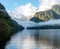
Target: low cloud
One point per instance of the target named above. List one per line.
(50, 22)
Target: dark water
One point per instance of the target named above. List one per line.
(35, 39)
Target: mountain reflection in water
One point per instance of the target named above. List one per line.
(35, 39)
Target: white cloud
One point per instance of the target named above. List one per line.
(47, 4)
(50, 22)
(26, 10)
(15, 15)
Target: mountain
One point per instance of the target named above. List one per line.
(43, 19)
(56, 8)
(8, 27)
(53, 13)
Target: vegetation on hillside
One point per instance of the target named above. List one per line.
(8, 27)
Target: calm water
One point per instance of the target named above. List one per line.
(34, 39)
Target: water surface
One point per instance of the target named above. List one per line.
(34, 39)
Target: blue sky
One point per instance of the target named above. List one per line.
(12, 4)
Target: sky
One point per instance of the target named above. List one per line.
(12, 4)
(20, 8)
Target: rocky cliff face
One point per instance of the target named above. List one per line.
(53, 13)
(56, 8)
(8, 27)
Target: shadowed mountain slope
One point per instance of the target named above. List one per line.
(8, 27)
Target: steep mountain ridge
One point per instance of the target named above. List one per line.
(53, 13)
(56, 8)
(8, 27)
